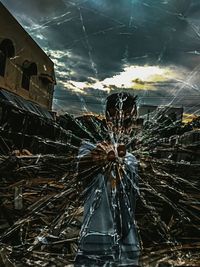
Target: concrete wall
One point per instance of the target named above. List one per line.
(25, 50)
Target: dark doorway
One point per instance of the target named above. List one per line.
(29, 69)
(7, 50)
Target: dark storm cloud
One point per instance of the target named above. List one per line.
(34, 8)
(96, 38)
(103, 33)
(91, 101)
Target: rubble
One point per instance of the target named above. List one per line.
(42, 205)
(39, 203)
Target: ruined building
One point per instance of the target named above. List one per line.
(26, 88)
(25, 70)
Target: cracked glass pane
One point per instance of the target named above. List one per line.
(111, 176)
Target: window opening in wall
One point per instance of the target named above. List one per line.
(7, 50)
(2, 63)
(29, 70)
(1, 114)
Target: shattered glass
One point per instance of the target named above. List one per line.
(147, 48)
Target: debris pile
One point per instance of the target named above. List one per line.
(42, 205)
(171, 139)
(39, 209)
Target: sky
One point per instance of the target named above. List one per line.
(150, 48)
